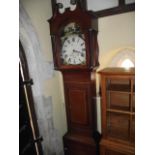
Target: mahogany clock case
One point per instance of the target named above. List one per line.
(79, 80)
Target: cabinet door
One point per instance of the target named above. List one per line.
(118, 126)
(119, 105)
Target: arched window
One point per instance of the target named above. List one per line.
(123, 58)
(127, 63)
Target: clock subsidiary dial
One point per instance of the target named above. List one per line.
(74, 50)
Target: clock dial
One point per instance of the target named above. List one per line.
(73, 50)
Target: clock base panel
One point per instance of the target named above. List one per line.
(79, 145)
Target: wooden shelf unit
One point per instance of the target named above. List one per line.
(117, 111)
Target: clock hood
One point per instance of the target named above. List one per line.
(86, 19)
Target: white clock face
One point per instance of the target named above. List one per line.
(74, 50)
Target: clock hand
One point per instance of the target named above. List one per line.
(75, 51)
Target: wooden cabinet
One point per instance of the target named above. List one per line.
(118, 111)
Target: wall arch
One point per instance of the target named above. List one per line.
(39, 71)
(121, 55)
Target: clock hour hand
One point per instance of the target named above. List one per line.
(75, 51)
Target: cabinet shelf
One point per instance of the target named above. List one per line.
(120, 111)
(120, 108)
(119, 88)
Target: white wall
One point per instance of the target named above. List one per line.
(40, 11)
(115, 32)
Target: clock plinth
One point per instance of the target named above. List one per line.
(79, 145)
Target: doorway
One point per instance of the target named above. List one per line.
(29, 138)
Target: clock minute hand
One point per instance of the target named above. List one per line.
(75, 51)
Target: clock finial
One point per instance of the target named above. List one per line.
(73, 2)
(60, 5)
(76, 2)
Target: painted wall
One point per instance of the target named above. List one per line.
(115, 32)
(40, 11)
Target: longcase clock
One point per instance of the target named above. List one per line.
(75, 53)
